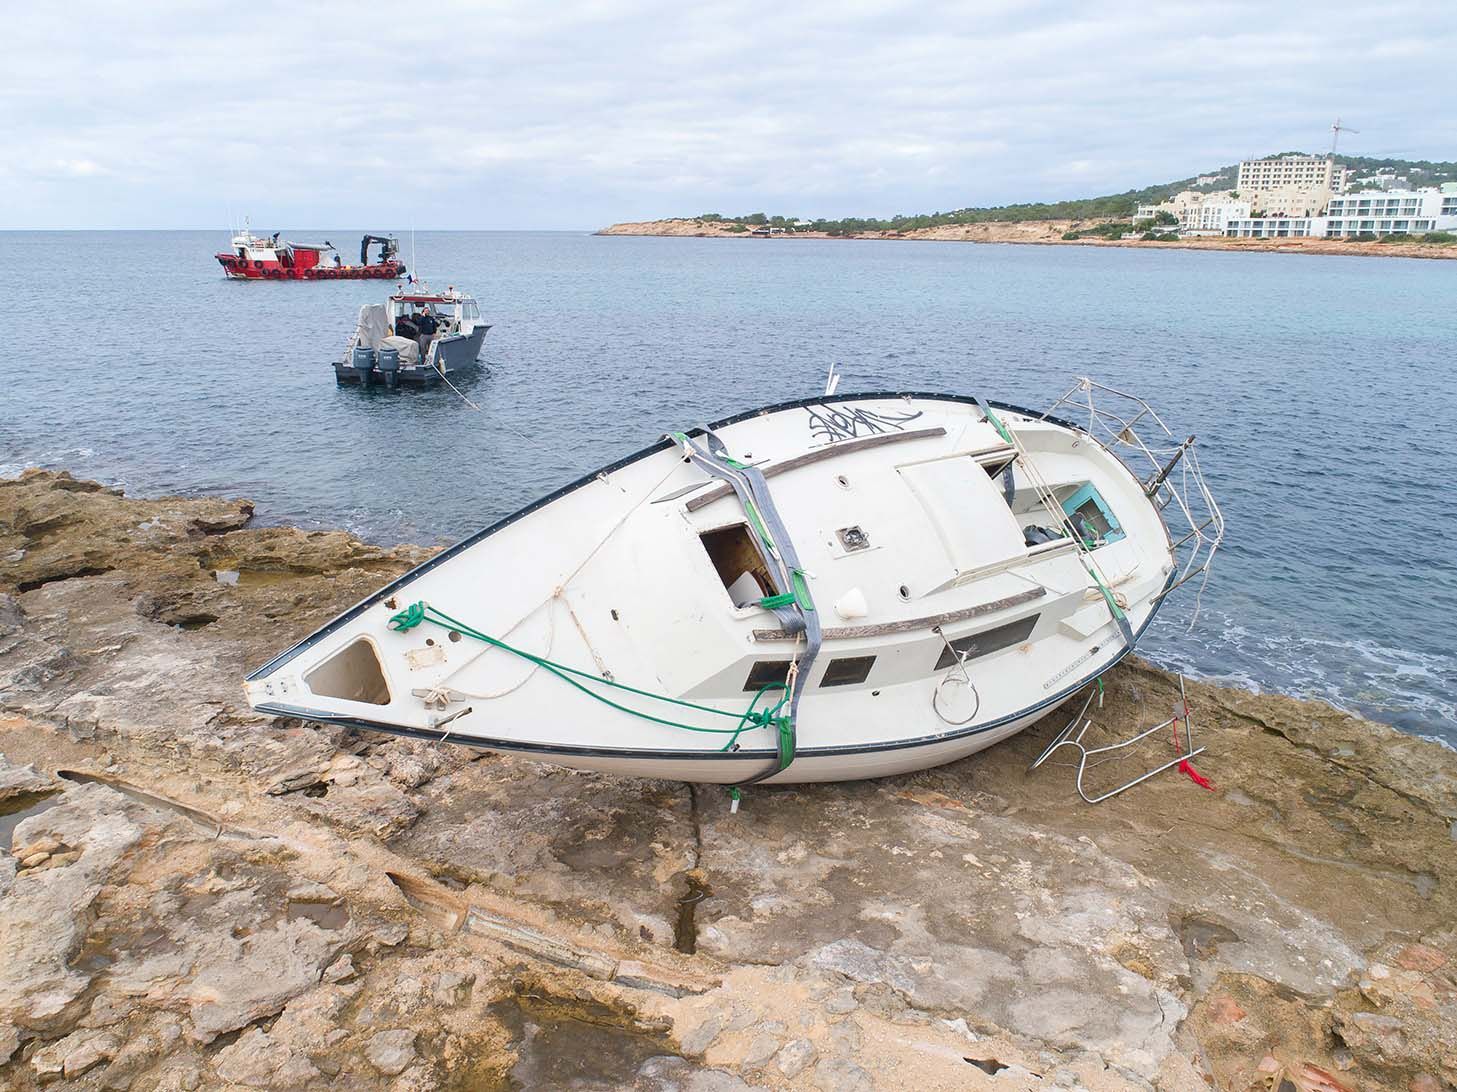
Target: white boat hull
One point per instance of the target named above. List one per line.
(622, 583)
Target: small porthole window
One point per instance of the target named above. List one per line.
(842, 481)
(765, 672)
(847, 671)
(905, 593)
(454, 635)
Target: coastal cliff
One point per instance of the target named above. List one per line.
(195, 896)
(1048, 232)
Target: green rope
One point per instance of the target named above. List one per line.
(745, 723)
(997, 424)
(801, 589)
(1113, 606)
(751, 717)
(759, 527)
(408, 618)
(772, 601)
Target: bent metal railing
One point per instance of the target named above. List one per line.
(1089, 757)
(1131, 429)
(1168, 467)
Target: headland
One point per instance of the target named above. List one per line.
(1042, 233)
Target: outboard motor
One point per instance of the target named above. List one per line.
(362, 361)
(389, 365)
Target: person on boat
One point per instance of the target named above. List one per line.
(426, 323)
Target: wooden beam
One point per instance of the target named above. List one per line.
(928, 622)
(843, 447)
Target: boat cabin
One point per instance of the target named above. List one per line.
(415, 333)
(450, 312)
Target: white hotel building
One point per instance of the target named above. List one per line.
(1198, 213)
(1390, 212)
(1306, 172)
(1291, 185)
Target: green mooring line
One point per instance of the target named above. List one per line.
(751, 717)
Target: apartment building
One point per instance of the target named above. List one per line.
(1276, 227)
(1292, 185)
(1291, 171)
(1198, 213)
(1389, 212)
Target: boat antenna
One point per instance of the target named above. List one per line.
(832, 381)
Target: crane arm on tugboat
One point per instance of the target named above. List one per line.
(388, 247)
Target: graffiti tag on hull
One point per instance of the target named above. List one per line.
(833, 423)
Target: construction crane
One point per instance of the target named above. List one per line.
(1336, 130)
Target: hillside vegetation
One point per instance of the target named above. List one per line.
(1119, 206)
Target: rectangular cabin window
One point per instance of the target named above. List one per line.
(847, 671)
(987, 641)
(353, 674)
(765, 672)
(738, 563)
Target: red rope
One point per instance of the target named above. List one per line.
(1194, 775)
(1186, 767)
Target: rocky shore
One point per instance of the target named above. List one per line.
(195, 897)
(1048, 232)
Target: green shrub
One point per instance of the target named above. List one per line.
(1439, 237)
(737, 227)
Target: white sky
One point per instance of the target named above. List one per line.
(188, 113)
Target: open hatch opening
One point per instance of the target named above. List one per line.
(738, 563)
(1091, 517)
(353, 674)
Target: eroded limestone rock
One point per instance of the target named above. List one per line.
(972, 926)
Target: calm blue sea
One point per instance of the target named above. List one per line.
(1322, 390)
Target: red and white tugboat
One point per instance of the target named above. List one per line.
(256, 258)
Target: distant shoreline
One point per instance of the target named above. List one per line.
(1042, 233)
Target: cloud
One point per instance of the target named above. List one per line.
(60, 169)
(515, 114)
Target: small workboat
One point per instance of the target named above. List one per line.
(818, 590)
(256, 258)
(415, 336)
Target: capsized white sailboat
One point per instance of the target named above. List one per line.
(827, 589)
